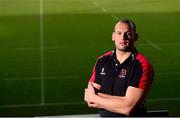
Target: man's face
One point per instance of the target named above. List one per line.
(122, 37)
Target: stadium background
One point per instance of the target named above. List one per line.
(48, 49)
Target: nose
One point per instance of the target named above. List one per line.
(123, 36)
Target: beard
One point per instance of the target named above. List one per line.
(128, 48)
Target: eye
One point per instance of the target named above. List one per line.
(118, 33)
(128, 35)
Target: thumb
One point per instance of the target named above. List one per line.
(90, 87)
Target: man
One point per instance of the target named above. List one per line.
(121, 78)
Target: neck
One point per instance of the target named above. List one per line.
(122, 55)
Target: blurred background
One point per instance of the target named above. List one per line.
(48, 49)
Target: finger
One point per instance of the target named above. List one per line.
(92, 105)
(97, 86)
(91, 86)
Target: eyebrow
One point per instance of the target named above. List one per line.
(121, 31)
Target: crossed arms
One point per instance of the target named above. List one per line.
(117, 104)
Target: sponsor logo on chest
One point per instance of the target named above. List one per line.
(102, 71)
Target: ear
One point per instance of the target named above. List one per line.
(113, 35)
(136, 36)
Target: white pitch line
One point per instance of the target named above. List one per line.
(37, 78)
(42, 51)
(45, 104)
(114, 17)
(103, 9)
(96, 4)
(153, 45)
(162, 44)
(45, 48)
(55, 47)
(164, 99)
(169, 73)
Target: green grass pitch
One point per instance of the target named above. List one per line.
(48, 49)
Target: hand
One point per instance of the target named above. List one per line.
(89, 93)
(89, 98)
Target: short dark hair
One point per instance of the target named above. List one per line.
(130, 23)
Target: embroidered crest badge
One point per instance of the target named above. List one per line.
(122, 73)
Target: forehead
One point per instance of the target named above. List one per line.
(121, 26)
